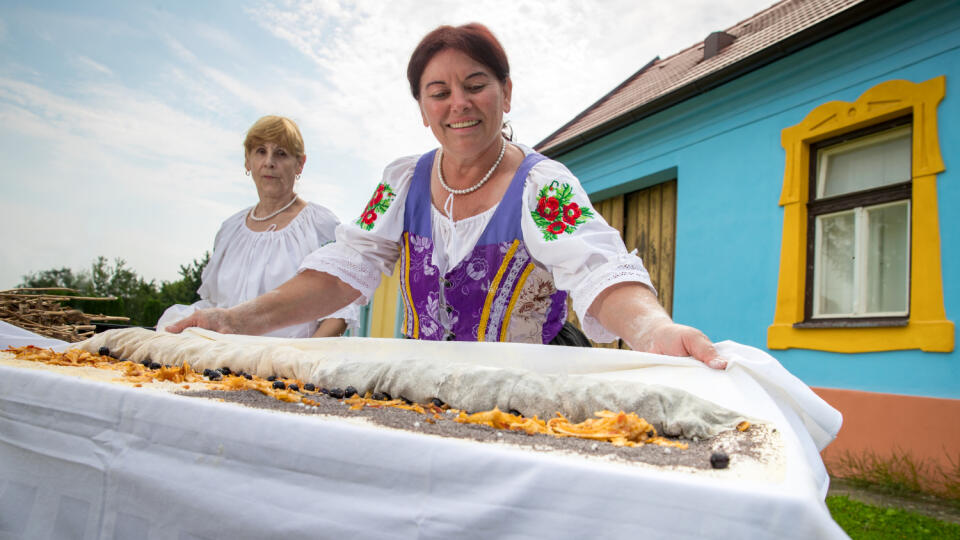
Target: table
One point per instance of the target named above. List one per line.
(82, 459)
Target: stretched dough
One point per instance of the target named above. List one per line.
(469, 387)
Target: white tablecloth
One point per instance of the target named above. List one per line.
(81, 459)
(14, 336)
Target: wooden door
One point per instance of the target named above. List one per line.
(646, 220)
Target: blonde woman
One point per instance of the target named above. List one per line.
(261, 247)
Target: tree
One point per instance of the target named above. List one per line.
(58, 277)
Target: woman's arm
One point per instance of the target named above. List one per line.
(632, 311)
(309, 295)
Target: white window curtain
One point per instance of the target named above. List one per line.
(862, 254)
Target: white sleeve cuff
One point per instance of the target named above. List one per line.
(346, 264)
(625, 268)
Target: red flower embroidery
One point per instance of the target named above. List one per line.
(571, 212)
(556, 212)
(377, 206)
(548, 208)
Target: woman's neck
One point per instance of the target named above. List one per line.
(269, 204)
(465, 171)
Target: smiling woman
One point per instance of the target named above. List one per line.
(259, 248)
(491, 236)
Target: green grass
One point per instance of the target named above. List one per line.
(861, 520)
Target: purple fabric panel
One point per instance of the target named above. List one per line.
(416, 216)
(404, 285)
(423, 285)
(505, 224)
(556, 316)
(466, 294)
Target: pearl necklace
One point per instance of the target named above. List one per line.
(503, 149)
(264, 218)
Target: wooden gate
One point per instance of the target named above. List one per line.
(647, 221)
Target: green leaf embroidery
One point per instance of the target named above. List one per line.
(378, 205)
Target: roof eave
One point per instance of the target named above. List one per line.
(818, 32)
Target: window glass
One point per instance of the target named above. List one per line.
(869, 162)
(835, 264)
(887, 258)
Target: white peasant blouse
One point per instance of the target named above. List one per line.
(246, 264)
(584, 259)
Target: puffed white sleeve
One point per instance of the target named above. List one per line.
(572, 240)
(368, 246)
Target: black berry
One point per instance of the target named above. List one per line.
(437, 401)
(336, 393)
(103, 351)
(309, 387)
(155, 365)
(225, 370)
(247, 376)
(272, 378)
(719, 460)
(515, 412)
(214, 375)
(350, 392)
(146, 363)
(294, 388)
(380, 396)
(279, 385)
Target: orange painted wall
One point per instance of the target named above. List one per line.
(928, 429)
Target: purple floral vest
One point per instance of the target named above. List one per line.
(496, 293)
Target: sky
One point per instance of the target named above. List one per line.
(122, 123)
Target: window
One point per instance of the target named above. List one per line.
(858, 229)
(860, 253)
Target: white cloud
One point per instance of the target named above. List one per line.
(89, 63)
(564, 54)
(123, 176)
(146, 166)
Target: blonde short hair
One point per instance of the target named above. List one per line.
(279, 130)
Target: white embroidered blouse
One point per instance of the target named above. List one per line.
(246, 264)
(583, 260)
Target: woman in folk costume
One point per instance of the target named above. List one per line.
(491, 236)
(260, 247)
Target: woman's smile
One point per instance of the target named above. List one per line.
(463, 124)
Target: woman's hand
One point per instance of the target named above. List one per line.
(674, 339)
(216, 319)
(632, 311)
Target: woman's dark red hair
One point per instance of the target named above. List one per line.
(474, 39)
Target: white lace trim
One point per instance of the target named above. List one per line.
(346, 264)
(625, 268)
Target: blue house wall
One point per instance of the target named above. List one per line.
(723, 146)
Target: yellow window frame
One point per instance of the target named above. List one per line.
(928, 328)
